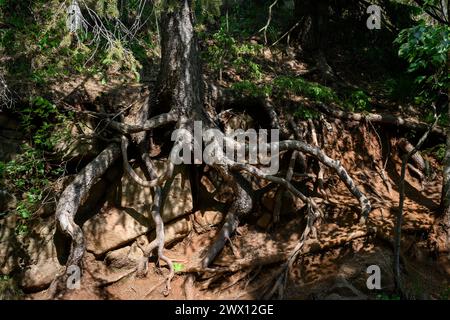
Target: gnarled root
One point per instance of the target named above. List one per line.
(280, 283)
(71, 199)
(336, 166)
(158, 242)
(242, 205)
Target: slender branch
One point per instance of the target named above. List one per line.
(269, 19)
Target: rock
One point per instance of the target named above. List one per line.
(177, 201)
(38, 242)
(133, 195)
(115, 227)
(208, 218)
(343, 290)
(7, 201)
(41, 256)
(127, 257)
(118, 258)
(102, 273)
(8, 245)
(35, 250)
(37, 277)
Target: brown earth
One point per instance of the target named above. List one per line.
(330, 267)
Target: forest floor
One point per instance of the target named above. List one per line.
(335, 263)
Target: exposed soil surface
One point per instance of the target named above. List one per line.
(333, 265)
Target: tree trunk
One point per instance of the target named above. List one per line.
(313, 17)
(313, 30)
(180, 83)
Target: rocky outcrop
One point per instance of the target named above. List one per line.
(129, 256)
(37, 277)
(41, 256)
(32, 254)
(175, 231)
(207, 219)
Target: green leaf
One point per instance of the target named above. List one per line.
(178, 267)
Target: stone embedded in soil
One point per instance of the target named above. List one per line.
(36, 249)
(127, 257)
(37, 277)
(8, 244)
(208, 218)
(114, 227)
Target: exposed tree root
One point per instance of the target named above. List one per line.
(302, 248)
(336, 166)
(148, 125)
(188, 287)
(399, 220)
(280, 283)
(417, 158)
(309, 247)
(315, 143)
(154, 182)
(242, 205)
(180, 92)
(71, 199)
(387, 119)
(280, 192)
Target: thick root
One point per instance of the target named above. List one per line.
(242, 205)
(71, 199)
